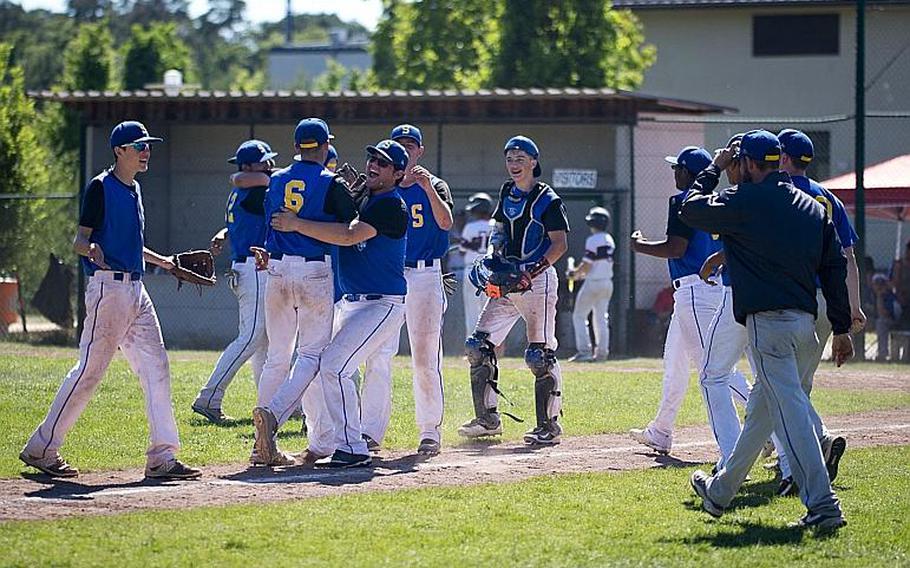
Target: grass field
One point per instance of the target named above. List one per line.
(112, 433)
(634, 518)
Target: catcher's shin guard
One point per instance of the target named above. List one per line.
(542, 362)
(484, 372)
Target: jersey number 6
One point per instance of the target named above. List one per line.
(293, 195)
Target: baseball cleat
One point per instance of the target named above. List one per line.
(54, 466)
(787, 488)
(658, 442)
(172, 469)
(344, 460)
(372, 445)
(699, 483)
(834, 451)
(281, 459)
(547, 434)
(266, 426)
(428, 447)
(821, 522)
(488, 425)
(213, 415)
(308, 459)
(582, 358)
(254, 457)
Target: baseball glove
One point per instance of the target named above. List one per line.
(500, 284)
(449, 283)
(195, 267)
(355, 182)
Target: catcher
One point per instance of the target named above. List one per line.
(119, 313)
(530, 235)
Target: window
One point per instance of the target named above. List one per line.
(820, 168)
(815, 34)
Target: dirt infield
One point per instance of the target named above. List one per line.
(38, 497)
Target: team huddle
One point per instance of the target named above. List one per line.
(328, 264)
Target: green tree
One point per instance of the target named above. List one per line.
(150, 52)
(334, 78)
(88, 61)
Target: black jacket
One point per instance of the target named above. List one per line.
(776, 239)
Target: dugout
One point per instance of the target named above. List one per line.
(586, 133)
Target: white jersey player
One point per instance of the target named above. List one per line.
(596, 270)
(475, 239)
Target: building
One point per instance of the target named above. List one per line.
(297, 66)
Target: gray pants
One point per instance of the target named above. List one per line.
(783, 345)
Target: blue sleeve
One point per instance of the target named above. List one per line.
(845, 232)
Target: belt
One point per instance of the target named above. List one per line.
(370, 297)
(119, 276)
(280, 256)
(423, 263)
(686, 281)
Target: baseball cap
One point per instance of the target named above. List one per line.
(738, 137)
(311, 132)
(331, 159)
(407, 131)
(252, 152)
(760, 145)
(131, 131)
(480, 199)
(693, 158)
(796, 144)
(526, 145)
(392, 152)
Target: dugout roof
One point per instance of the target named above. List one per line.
(493, 105)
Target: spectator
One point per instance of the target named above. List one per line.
(900, 281)
(887, 313)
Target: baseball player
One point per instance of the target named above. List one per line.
(531, 235)
(299, 296)
(119, 313)
(474, 243)
(596, 269)
(245, 227)
(371, 257)
(429, 203)
(694, 301)
(773, 296)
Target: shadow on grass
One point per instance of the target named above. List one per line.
(230, 423)
(57, 488)
(739, 534)
(328, 476)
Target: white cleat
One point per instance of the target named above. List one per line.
(657, 442)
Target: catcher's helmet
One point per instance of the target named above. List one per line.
(480, 203)
(598, 218)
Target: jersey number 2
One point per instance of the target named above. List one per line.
(417, 215)
(230, 207)
(293, 195)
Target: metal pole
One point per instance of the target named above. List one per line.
(632, 307)
(860, 160)
(83, 179)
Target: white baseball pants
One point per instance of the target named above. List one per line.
(473, 303)
(364, 326)
(117, 314)
(251, 343)
(594, 296)
(538, 309)
(425, 305)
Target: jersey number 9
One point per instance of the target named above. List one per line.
(417, 215)
(293, 195)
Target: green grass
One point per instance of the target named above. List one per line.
(112, 433)
(632, 518)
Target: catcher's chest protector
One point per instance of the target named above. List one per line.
(528, 239)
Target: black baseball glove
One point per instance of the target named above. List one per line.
(354, 182)
(195, 267)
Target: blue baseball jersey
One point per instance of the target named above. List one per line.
(426, 241)
(114, 212)
(701, 244)
(834, 206)
(302, 188)
(376, 266)
(245, 221)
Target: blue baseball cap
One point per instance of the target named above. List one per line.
(693, 158)
(738, 137)
(391, 152)
(331, 159)
(252, 152)
(760, 145)
(527, 146)
(407, 131)
(311, 133)
(797, 145)
(131, 131)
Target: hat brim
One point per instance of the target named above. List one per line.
(265, 157)
(147, 139)
(671, 160)
(379, 153)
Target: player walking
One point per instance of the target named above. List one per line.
(474, 243)
(299, 296)
(596, 269)
(430, 205)
(245, 227)
(694, 301)
(530, 235)
(119, 313)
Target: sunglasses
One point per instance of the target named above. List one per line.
(137, 146)
(382, 163)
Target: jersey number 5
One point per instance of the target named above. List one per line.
(417, 215)
(293, 195)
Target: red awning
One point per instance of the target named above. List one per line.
(887, 189)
